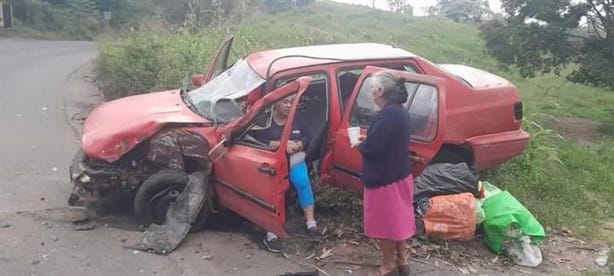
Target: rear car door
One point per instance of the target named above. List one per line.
(250, 178)
(426, 107)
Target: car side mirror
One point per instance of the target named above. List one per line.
(198, 80)
(219, 150)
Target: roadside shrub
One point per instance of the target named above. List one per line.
(77, 19)
(155, 58)
(152, 60)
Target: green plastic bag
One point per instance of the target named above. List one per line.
(490, 189)
(479, 211)
(507, 220)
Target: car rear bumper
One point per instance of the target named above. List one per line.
(495, 149)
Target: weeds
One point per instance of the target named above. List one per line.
(563, 184)
(337, 201)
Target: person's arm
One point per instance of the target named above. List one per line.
(377, 136)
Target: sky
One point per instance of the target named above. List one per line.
(420, 6)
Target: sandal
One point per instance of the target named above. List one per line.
(404, 270)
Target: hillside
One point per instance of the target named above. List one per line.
(438, 39)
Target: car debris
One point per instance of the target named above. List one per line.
(84, 225)
(163, 239)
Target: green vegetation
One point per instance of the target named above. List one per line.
(158, 58)
(86, 19)
(77, 19)
(564, 183)
(545, 36)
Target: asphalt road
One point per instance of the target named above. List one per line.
(40, 83)
(36, 143)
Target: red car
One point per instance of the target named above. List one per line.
(144, 146)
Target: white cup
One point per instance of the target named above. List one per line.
(354, 133)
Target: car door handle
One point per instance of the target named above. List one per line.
(266, 169)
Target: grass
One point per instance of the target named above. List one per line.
(563, 183)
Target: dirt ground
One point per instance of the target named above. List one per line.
(343, 251)
(346, 251)
(583, 131)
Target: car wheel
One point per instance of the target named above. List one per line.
(158, 191)
(449, 156)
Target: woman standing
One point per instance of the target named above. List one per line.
(386, 175)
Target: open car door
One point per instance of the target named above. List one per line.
(426, 106)
(219, 63)
(250, 178)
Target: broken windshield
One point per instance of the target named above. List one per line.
(217, 99)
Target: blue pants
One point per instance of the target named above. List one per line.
(299, 177)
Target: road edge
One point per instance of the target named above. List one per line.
(81, 96)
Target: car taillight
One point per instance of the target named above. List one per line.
(518, 111)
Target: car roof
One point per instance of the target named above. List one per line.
(321, 54)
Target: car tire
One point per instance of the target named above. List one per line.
(147, 212)
(449, 156)
(157, 191)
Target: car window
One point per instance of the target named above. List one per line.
(423, 113)
(313, 105)
(257, 134)
(347, 79)
(422, 105)
(223, 91)
(317, 77)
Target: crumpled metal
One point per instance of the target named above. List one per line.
(181, 214)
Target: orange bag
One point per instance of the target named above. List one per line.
(451, 217)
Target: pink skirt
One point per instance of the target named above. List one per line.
(389, 211)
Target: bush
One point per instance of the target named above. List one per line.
(152, 60)
(157, 58)
(77, 19)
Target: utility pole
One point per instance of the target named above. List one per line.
(106, 13)
(373, 4)
(6, 15)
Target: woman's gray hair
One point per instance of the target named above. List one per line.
(393, 87)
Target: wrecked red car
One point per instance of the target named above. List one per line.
(145, 146)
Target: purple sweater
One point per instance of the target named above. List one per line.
(385, 151)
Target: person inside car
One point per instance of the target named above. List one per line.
(299, 176)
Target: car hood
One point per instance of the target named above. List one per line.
(114, 128)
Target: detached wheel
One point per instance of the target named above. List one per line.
(156, 193)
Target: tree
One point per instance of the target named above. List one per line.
(464, 10)
(400, 6)
(544, 36)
